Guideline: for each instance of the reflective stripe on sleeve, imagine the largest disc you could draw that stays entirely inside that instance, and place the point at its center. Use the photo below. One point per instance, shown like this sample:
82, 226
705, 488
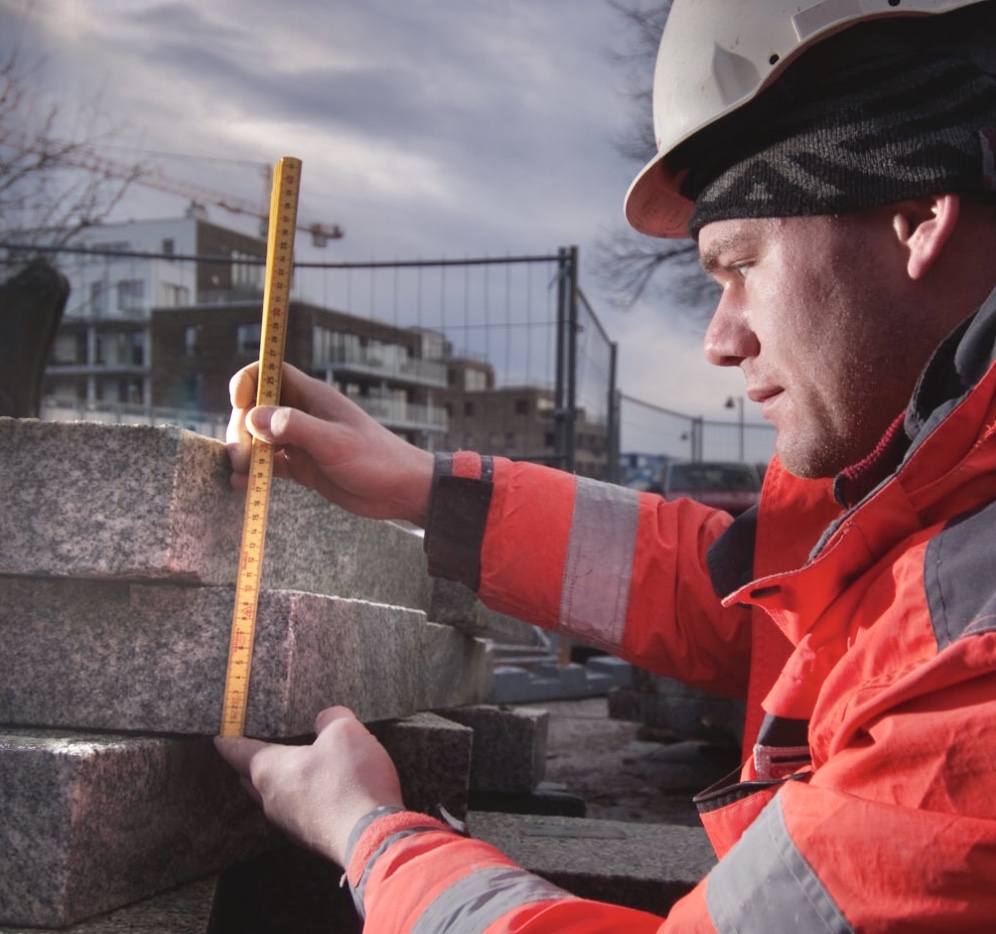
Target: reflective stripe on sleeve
360, 888
481, 898
765, 886
599, 563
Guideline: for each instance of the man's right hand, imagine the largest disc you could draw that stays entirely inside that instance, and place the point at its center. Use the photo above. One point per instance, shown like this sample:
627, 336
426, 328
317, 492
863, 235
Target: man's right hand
327, 442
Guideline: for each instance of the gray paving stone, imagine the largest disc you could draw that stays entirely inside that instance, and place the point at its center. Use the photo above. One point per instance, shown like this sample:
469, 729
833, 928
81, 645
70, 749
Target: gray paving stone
645, 866
140, 502
509, 746
668, 704
152, 657
93, 822
618, 672
432, 755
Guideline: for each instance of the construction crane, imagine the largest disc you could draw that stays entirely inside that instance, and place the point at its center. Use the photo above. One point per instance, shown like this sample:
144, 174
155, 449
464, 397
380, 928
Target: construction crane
80, 157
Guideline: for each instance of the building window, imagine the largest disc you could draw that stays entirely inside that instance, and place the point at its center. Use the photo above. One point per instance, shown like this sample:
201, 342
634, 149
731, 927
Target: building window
190, 392
521, 406
175, 295
69, 348
246, 271
191, 338
131, 295
247, 338
169, 246
137, 348
98, 298
468, 408
475, 380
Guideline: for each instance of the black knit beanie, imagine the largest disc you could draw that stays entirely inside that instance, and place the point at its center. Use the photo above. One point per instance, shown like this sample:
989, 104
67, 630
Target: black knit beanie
873, 135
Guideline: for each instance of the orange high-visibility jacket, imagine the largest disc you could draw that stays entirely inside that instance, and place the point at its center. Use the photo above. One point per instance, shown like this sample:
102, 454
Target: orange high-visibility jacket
863, 636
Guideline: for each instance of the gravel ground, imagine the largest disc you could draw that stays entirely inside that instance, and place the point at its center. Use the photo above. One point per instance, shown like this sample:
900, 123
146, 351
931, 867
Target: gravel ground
624, 771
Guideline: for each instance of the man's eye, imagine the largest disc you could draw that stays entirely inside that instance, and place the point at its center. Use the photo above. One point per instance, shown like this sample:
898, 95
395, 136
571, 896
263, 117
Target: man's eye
740, 269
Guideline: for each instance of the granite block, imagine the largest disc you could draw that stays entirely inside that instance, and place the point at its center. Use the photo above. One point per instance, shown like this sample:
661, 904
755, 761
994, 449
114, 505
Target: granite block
667, 704
124, 656
187, 909
92, 822
509, 746
139, 502
432, 756
644, 866
457, 667
456, 605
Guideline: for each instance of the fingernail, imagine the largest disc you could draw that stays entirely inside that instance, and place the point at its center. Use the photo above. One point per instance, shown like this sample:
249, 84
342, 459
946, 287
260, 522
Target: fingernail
261, 417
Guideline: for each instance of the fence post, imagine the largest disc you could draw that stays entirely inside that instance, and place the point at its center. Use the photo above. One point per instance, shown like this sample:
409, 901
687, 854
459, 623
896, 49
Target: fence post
612, 428
567, 337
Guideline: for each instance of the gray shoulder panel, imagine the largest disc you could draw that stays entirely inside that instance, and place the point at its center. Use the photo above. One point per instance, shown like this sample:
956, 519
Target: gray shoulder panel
958, 576
765, 886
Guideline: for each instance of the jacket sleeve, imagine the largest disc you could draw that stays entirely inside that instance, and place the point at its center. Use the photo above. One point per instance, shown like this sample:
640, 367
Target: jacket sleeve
621, 570
895, 833
410, 874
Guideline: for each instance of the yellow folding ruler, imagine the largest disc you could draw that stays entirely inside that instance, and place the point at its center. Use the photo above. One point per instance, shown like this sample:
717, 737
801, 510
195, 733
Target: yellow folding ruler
273, 336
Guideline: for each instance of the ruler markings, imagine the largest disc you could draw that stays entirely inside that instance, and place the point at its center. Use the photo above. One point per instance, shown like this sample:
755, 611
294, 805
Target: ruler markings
273, 335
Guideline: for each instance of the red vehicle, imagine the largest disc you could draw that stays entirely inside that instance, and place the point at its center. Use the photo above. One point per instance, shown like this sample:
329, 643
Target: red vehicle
728, 485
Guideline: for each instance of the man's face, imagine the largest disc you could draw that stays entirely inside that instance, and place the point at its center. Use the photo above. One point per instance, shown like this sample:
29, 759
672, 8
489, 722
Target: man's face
814, 311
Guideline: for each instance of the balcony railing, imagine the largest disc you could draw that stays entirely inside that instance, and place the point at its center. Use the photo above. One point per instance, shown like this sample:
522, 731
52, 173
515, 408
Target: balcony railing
393, 413
399, 413
373, 363
113, 413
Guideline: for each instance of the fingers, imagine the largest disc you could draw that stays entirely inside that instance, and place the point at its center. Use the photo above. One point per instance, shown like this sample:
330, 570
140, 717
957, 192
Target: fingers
317, 793
247, 420
239, 753
242, 387
242, 392
330, 715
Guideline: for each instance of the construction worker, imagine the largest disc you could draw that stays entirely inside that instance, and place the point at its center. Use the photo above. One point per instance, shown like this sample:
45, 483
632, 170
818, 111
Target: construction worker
836, 165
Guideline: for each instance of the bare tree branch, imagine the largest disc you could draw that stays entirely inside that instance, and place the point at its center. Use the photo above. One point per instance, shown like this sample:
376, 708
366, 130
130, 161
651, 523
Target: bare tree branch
51, 187
629, 265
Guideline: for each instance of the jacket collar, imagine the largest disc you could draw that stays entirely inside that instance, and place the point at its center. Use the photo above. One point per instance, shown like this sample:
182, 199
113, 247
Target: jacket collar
958, 364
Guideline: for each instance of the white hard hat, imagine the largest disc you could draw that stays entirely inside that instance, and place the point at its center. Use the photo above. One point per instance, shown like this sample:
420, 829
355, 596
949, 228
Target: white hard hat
717, 55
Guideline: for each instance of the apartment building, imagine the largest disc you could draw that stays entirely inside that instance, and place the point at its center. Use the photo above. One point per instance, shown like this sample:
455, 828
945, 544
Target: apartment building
515, 421
395, 374
103, 350
162, 313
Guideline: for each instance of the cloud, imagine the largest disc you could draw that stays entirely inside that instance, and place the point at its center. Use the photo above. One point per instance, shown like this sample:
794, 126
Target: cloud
441, 128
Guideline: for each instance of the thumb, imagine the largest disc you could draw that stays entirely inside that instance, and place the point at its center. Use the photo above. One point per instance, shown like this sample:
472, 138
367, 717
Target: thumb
269, 423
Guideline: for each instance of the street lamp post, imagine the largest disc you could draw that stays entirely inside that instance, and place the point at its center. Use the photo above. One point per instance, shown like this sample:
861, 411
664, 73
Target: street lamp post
738, 403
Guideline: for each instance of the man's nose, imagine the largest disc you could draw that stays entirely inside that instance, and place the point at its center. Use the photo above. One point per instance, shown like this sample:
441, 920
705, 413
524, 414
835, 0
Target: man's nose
729, 339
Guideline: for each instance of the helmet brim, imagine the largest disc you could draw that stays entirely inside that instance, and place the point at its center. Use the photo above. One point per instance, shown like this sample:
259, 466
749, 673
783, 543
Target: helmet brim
654, 205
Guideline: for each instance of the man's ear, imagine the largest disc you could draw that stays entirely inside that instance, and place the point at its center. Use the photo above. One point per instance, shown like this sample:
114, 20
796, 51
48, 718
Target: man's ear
924, 226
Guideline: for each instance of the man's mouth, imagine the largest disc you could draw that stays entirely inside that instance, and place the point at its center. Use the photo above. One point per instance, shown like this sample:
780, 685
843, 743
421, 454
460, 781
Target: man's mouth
766, 396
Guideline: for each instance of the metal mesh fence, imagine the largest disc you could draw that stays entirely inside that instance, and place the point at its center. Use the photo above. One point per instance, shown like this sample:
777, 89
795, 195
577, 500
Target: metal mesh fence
525, 319
679, 436
499, 310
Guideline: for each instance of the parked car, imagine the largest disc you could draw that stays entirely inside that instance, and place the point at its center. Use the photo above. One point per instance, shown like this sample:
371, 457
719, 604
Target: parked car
728, 485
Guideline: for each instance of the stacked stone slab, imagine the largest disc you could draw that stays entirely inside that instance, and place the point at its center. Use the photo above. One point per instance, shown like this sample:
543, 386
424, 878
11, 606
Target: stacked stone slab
668, 705
118, 552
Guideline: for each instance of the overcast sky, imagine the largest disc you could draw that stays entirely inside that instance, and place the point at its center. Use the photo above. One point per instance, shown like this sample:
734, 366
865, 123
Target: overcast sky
427, 128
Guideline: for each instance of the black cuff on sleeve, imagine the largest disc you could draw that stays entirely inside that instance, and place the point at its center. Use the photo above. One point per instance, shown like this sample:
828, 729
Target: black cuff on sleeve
458, 513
